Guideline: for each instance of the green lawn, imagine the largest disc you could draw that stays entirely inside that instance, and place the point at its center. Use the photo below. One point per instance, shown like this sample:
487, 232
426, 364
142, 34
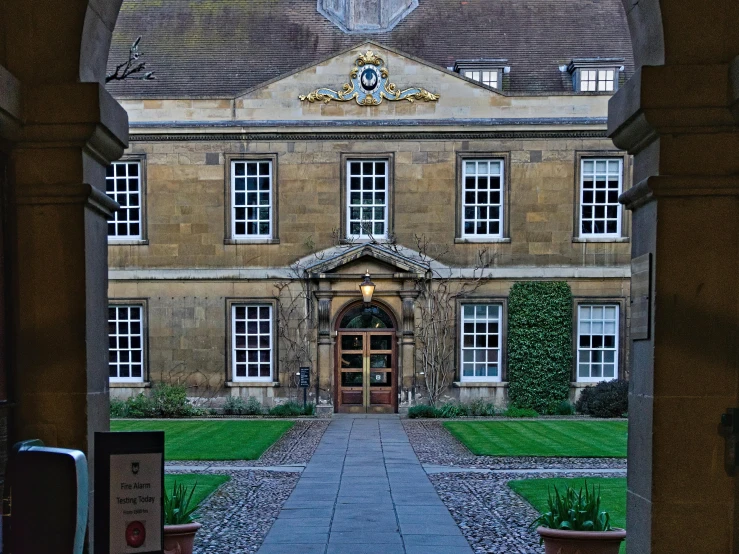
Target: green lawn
612, 493
560, 438
210, 439
206, 484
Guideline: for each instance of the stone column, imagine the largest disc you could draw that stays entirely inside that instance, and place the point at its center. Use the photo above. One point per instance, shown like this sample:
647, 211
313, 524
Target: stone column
407, 342
58, 264
685, 356
326, 342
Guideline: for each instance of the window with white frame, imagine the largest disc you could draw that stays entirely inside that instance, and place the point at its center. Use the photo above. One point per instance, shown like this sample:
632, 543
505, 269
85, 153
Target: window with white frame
486, 77
251, 199
123, 184
597, 80
367, 199
126, 343
597, 342
251, 342
482, 198
481, 342
600, 186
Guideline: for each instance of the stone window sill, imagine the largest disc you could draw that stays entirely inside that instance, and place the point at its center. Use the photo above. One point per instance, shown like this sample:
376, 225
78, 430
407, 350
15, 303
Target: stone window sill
598, 239
264, 384
125, 242
251, 241
479, 384
357, 241
119, 385
469, 240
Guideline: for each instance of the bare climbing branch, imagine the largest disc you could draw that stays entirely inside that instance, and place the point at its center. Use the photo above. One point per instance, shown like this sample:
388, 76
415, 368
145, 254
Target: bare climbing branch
436, 318
131, 68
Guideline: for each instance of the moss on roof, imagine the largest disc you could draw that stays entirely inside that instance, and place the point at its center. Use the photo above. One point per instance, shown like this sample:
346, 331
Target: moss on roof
219, 48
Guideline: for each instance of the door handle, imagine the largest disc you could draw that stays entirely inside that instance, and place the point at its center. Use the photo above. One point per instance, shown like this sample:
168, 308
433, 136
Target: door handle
365, 381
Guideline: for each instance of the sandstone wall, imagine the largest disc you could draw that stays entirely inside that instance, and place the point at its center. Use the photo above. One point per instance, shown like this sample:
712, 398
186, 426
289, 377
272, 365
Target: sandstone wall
187, 193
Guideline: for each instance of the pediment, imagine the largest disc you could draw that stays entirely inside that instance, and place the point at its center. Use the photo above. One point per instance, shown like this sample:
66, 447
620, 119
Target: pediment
360, 258
369, 81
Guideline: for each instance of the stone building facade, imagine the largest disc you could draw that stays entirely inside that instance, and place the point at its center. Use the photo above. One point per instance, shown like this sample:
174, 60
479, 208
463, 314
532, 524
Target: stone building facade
250, 218
683, 138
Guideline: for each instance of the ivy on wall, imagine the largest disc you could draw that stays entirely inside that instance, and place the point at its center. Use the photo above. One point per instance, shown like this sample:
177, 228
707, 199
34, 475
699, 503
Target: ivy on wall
539, 344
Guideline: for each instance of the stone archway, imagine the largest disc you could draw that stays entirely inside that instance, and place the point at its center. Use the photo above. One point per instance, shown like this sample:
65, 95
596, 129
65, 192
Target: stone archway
679, 119
678, 116
367, 369
59, 129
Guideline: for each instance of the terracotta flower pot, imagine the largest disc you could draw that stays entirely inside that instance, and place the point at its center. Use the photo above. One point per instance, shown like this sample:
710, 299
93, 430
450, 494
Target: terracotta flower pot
179, 539
557, 541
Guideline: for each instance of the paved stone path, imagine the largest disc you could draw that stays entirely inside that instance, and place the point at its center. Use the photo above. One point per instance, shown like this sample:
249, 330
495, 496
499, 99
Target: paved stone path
364, 492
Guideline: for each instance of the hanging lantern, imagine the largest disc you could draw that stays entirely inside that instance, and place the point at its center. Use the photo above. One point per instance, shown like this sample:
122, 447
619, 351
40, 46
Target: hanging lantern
367, 287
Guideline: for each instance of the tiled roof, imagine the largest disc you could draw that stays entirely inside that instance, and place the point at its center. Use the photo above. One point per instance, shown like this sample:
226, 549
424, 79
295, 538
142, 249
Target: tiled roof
220, 48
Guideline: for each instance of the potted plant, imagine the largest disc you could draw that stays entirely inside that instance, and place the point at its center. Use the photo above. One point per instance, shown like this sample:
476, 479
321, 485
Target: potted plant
179, 527
575, 524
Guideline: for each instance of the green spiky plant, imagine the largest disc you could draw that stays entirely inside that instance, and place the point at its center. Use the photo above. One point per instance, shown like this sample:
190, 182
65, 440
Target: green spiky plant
178, 507
575, 511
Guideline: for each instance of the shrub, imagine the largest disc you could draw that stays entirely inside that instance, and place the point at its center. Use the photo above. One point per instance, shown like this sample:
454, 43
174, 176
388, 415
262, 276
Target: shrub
514, 411
171, 401
292, 409
451, 409
165, 401
118, 408
479, 407
606, 399
565, 408
141, 406
539, 344
235, 405
422, 410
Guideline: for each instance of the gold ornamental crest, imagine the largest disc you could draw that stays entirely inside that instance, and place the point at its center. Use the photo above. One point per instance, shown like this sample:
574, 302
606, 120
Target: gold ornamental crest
369, 85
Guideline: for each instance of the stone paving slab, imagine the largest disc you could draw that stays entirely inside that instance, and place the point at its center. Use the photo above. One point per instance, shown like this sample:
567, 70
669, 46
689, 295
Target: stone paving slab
367, 486
303, 548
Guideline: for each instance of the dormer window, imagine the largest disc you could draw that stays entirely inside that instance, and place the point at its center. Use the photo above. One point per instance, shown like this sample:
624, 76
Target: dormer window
489, 78
595, 74
596, 80
488, 72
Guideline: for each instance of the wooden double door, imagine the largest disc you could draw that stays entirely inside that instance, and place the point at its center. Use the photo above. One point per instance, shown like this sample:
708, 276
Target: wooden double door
366, 372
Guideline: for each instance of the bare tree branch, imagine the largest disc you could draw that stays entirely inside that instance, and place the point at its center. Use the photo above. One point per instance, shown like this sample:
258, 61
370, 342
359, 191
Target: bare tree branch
436, 307
130, 67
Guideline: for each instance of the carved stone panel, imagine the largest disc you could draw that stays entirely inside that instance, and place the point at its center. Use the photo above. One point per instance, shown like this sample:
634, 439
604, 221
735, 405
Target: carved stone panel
409, 320
324, 317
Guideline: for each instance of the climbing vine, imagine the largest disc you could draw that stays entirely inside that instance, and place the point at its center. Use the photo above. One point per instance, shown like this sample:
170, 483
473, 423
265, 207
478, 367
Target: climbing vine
539, 344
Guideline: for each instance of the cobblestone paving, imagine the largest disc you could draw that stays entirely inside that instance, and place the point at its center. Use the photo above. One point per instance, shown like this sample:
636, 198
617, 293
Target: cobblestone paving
492, 517
238, 516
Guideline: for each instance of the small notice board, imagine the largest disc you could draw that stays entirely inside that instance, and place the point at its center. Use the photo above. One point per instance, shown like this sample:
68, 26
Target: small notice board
129, 486
305, 377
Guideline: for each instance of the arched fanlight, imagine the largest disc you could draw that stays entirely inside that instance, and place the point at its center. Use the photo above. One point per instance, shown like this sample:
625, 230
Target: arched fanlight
368, 288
